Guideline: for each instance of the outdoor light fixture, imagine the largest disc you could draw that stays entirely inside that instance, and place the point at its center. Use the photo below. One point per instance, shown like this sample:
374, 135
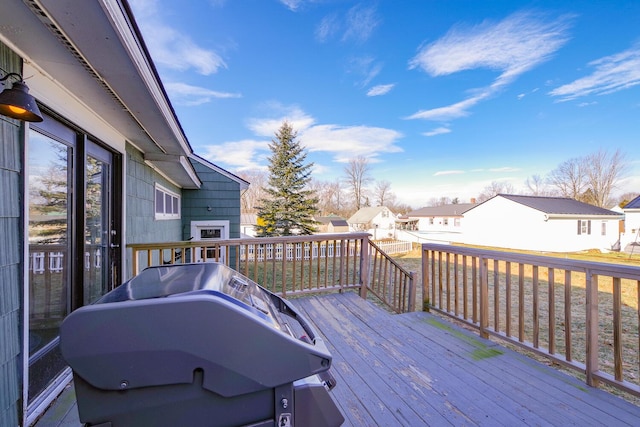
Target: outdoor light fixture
17, 103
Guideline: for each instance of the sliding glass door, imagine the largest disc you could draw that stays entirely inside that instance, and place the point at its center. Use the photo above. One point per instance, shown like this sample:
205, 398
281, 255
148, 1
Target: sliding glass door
73, 255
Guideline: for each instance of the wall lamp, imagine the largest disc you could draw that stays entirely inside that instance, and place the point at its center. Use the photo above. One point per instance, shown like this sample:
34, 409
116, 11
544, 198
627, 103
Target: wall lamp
17, 103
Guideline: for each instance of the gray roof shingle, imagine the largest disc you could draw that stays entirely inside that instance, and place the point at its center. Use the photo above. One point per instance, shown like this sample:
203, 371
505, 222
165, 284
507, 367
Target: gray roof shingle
442, 211
558, 205
634, 204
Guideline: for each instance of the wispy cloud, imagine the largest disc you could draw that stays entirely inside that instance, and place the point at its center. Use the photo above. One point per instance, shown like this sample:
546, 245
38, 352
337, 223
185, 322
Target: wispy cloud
170, 48
361, 21
291, 4
512, 47
450, 172
247, 154
340, 141
185, 94
380, 89
504, 169
365, 68
437, 131
329, 25
357, 25
611, 74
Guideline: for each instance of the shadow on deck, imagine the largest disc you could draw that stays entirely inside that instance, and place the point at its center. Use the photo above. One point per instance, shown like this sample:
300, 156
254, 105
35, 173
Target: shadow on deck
416, 369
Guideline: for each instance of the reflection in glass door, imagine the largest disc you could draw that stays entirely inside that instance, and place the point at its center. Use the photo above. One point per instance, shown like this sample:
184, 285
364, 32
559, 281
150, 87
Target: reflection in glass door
50, 252
97, 232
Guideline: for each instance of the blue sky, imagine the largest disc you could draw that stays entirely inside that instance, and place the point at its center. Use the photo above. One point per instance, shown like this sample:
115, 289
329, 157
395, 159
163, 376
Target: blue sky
443, 97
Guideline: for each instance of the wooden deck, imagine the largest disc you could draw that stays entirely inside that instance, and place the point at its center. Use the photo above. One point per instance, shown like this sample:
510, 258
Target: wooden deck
416, 369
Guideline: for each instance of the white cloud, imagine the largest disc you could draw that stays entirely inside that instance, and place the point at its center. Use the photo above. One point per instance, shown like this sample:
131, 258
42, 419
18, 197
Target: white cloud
612, 74
361, 21
504, 169
247, 154
512, 47
437, 131
291, 4
185, 94
380, 89
450, 172
347, 142
341, 142
447, 113
329, 25
357, 25
267, 127
170, 48
365, 67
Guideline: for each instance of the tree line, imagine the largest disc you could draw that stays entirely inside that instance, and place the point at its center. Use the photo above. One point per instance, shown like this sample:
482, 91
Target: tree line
286, 198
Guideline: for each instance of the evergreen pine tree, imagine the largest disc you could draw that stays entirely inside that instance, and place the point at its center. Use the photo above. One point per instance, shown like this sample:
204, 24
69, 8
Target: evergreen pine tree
289, 207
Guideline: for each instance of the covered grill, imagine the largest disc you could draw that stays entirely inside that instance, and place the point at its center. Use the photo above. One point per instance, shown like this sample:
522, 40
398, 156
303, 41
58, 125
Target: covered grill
197, 344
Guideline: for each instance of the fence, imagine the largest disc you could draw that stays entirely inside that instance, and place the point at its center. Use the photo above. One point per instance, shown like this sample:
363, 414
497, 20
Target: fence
295, 265
582, 315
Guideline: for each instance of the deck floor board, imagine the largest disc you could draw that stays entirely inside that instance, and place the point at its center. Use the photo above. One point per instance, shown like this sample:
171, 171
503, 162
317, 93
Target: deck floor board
426, 371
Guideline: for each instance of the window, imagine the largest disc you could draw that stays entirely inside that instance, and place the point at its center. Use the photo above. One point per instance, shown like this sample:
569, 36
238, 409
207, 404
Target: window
430, 221
167, 204
604, 228
445, 221
584, 226
456, 222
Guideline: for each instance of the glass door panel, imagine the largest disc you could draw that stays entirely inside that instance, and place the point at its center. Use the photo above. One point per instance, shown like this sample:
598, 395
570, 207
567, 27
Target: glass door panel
97, 232
49, 213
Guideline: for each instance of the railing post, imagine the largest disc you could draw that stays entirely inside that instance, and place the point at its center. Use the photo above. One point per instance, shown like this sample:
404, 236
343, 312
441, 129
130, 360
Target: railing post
412, 293
364, 267
592, 327
484, 297
425, 279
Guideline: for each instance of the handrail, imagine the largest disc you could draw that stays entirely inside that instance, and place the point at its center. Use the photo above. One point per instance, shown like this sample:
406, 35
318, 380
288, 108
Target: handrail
294, 265
540, 303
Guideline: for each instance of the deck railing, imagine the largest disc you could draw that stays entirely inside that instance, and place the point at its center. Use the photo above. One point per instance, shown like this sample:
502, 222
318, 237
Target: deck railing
295, 265
582, 315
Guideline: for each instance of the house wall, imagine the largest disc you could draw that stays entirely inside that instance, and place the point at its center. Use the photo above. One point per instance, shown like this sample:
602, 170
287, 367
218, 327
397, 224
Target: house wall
631, 227
217, 199
11, 257
140, 223
440, 224
503, 223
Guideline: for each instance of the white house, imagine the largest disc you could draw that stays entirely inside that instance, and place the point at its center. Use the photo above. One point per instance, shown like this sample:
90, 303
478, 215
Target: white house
379, 221
552, 224
445, 218
631, 233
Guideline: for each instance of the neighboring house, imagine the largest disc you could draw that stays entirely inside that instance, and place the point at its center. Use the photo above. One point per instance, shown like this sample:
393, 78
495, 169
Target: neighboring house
248, 223
379, 221
332, 224
552, 224
631, 232
109, 165
445, 218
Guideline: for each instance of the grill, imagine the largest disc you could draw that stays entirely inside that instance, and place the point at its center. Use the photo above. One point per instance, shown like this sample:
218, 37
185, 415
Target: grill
197, 344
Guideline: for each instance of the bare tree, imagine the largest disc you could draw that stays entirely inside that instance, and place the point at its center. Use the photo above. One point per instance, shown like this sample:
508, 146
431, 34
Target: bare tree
257, 180
439, 201
495, 188
603, 171
591, 178
329, 195
383, 194
538, 186
357, 177
569, 178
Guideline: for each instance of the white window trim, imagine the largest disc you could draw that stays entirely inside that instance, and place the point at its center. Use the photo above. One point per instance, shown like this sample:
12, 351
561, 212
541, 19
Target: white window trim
164, 215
